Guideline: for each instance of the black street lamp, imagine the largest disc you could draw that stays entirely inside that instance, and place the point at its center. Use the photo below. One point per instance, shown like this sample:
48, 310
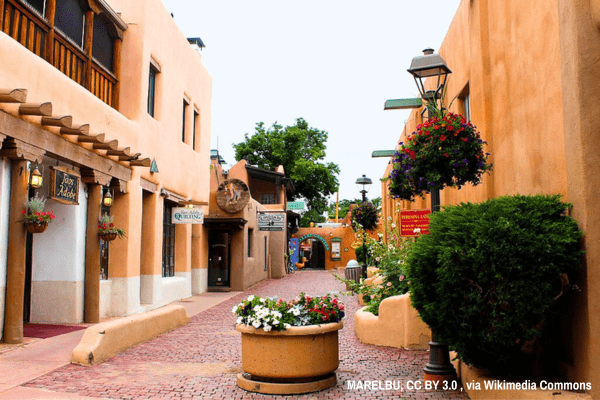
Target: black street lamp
431, 65
364, 184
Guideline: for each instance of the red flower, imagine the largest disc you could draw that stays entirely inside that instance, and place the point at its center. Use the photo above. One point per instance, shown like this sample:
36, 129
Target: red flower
442, 138
450, 128
446, 155
412, 155
464, 139
23, 211
40, 218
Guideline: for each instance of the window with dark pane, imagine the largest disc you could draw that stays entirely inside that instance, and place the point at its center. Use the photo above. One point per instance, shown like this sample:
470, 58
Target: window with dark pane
168, 251
103, 46
152, 90
196, 122
69, 19
37, 5
185, 105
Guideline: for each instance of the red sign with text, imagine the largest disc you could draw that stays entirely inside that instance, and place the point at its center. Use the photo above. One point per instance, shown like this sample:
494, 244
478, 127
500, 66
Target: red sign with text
414, 223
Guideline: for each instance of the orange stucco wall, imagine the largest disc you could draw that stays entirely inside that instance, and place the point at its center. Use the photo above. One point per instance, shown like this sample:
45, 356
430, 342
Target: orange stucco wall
344, 233
531, 71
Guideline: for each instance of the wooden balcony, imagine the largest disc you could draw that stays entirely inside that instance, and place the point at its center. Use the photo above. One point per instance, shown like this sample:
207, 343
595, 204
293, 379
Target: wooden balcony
38, 34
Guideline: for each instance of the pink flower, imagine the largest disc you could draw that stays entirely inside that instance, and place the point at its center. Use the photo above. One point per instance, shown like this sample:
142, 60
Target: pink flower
401, 278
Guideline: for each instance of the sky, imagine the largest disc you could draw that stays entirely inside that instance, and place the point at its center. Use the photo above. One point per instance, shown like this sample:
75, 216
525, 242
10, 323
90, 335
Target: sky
332, 62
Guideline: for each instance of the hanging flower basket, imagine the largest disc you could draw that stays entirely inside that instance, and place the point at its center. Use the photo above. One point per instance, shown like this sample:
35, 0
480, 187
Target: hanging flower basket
35, 227
365, 215
108, 237
445, 151
36, 220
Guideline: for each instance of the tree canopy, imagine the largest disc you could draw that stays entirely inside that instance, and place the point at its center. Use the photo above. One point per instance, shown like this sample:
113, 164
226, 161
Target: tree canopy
301, 151
345, 206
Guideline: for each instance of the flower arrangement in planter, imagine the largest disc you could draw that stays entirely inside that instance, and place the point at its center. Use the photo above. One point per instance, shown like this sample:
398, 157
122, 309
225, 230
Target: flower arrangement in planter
445, 151
107, 229
36, 220
365, 216
279, 315
289, 347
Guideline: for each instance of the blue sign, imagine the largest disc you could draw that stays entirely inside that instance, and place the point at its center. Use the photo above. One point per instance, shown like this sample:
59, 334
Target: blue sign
294, 250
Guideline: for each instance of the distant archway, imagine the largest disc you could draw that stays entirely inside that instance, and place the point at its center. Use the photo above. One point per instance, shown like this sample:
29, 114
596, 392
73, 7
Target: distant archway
312, 253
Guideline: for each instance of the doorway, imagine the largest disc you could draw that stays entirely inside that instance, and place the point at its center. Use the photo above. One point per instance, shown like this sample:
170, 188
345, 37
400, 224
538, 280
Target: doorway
219, 271
312, 253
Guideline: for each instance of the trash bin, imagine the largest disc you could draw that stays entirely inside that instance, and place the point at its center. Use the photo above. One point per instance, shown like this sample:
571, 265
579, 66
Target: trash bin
353, 272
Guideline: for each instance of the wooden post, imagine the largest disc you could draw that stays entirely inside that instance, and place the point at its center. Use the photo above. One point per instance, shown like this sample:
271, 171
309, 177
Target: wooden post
1, 14
92, 256
17, 235
117, 72
50, 14
87, 47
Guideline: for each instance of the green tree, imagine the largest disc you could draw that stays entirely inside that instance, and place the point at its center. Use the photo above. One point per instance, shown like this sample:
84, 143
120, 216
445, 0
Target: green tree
301, 151
345, 206
311, 214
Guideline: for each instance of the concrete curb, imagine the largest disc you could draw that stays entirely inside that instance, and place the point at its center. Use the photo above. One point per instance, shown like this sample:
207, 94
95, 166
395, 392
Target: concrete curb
106, 339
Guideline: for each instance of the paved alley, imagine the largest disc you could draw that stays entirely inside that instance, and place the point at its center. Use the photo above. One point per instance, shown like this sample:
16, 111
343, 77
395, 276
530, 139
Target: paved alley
201, 360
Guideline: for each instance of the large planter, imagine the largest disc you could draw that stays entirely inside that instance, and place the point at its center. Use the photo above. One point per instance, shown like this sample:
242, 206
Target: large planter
35, 227
298, 360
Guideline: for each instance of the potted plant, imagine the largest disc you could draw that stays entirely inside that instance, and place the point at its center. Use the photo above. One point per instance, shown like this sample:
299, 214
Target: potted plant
107, 229
289, 347
365, 215
36, 220
445, 151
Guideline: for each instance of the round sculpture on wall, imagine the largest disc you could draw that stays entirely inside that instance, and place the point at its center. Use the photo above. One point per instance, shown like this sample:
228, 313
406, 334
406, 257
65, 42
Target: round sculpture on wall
233, 195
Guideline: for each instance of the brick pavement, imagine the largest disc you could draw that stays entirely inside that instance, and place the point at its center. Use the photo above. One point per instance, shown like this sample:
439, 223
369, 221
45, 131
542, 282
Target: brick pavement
201, 360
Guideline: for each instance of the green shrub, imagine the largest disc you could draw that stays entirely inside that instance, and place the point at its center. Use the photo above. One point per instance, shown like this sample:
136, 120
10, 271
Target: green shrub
486, 277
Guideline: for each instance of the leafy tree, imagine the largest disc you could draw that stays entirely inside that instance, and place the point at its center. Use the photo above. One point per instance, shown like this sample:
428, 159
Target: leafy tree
345, 207
311, 214
301, 151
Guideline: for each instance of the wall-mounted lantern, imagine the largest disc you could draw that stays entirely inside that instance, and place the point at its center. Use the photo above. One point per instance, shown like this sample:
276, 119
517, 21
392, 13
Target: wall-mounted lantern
107, 199
36, 180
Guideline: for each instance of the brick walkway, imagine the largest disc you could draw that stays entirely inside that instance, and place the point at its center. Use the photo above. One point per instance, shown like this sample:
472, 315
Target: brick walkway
201, 360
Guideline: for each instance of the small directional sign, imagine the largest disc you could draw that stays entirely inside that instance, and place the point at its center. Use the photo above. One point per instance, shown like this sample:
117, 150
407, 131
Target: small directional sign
403, 104
383, 153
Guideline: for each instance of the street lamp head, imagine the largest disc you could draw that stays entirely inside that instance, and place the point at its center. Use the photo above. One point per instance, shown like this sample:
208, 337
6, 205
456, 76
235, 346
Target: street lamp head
429, 65
363, 184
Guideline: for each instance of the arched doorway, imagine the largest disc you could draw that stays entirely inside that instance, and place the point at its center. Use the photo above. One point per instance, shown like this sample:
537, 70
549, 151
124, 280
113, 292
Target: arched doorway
312, 252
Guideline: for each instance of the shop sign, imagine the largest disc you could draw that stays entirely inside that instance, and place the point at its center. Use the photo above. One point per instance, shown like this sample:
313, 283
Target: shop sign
336, 249
414, 223
64, 185
232, 195
296, 205
185, 215
312, 235
271, 222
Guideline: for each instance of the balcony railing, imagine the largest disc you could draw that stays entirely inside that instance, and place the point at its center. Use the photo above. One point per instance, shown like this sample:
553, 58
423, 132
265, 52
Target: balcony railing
38, 35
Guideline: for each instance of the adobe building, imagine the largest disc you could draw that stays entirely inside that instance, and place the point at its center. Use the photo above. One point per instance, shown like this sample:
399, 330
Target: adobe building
526, 74
246, 225
113, 96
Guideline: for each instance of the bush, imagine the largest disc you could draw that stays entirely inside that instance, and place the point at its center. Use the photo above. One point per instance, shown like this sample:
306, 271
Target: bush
486, 277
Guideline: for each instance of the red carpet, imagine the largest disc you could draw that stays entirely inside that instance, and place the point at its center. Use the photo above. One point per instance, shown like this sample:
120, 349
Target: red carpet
44, 331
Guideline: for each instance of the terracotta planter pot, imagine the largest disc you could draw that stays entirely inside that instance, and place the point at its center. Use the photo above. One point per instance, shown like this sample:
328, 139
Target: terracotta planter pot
34, 227
107, 237
298, 354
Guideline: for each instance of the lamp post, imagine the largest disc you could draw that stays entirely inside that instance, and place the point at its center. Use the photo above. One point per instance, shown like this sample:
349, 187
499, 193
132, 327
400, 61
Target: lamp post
364, 184
431, 65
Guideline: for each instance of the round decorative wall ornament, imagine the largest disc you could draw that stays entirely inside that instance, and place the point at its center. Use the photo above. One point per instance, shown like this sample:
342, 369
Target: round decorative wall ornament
233, 195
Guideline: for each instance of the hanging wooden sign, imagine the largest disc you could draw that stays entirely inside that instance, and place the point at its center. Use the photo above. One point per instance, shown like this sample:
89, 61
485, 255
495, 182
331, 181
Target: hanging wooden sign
233, 195
64, 185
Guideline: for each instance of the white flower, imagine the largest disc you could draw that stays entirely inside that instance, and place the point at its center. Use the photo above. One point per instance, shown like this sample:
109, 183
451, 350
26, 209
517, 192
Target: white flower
234, 309
275, 322
251, 297
262, 300
276, 314
287, 326
296, 312
393, 225
267, 328
256, 324
239, 320
380, 235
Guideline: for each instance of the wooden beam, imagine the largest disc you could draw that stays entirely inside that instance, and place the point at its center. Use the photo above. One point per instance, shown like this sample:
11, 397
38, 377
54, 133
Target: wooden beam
43, 109
50, 15
131, 157
76, 130
119, 152
119, 185
144, 162
117, 49
148, 185
60, 148
13, 95
99, 138
112, 145
92, 176
16, 149
64, 121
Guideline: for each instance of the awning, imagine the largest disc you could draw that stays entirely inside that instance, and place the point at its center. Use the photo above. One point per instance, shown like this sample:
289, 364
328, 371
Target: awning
215, 222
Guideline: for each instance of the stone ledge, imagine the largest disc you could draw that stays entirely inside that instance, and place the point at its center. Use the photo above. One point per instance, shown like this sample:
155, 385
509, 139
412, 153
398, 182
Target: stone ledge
398, 325
473, 376
106, 339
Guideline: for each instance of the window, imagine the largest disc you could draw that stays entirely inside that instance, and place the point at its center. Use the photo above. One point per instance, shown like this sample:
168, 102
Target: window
38, 5
250, 235
69, 19
103, 46
168, 253
465, 103
152, 90
196, 122
468, 107
268, 198
186, 103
